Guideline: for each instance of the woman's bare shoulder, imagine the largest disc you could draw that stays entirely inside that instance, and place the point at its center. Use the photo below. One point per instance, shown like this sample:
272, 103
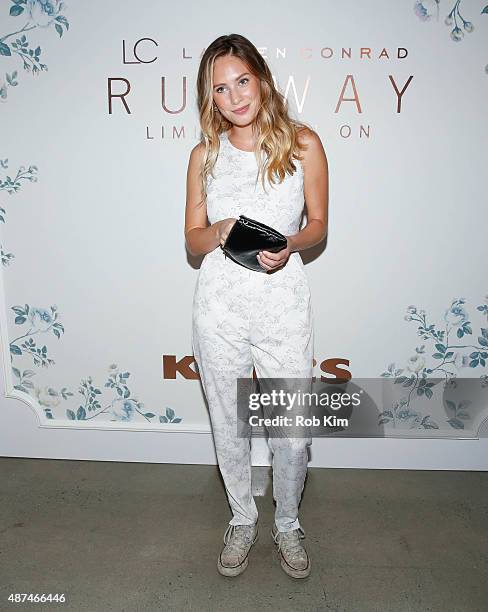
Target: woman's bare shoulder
197, 152
312, 144
307, 136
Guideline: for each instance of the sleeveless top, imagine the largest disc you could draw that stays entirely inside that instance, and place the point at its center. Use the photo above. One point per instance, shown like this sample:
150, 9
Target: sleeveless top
235, 191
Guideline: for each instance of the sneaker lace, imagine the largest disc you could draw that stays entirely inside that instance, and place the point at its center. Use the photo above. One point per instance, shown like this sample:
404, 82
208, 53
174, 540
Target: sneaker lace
238, 536
289, 542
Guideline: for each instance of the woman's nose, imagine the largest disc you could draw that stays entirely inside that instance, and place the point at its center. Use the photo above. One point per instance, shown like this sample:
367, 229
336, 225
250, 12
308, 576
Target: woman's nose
234, 97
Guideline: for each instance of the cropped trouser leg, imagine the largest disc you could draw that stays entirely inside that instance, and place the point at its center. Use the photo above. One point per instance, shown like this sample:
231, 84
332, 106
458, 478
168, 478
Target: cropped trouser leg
282, 347
289, 451
233, 452
262, 321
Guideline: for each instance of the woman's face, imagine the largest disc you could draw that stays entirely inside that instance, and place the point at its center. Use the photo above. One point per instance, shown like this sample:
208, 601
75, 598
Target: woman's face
234, 88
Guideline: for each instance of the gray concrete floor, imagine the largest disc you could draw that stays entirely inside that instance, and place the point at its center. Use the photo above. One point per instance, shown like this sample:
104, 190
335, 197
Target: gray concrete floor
138, 536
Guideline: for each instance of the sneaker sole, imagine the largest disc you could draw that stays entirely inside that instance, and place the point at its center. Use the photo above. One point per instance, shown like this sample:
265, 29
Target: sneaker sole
294, 573
238, 569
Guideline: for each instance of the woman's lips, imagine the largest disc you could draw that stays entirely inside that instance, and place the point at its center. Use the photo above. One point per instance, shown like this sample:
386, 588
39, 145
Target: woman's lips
243, 111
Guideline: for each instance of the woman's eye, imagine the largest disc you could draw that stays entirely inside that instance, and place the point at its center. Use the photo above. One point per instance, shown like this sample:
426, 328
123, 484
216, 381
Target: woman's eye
219, 89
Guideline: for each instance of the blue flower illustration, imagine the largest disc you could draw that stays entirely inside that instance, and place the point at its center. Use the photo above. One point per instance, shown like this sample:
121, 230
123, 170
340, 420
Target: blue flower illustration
123, 409
456, 315
425, 9
40, 319
47, 396
44, 12
415, 363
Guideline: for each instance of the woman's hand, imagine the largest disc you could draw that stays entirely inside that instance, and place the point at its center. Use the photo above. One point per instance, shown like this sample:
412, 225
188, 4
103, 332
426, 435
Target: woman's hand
224, 228
272, 261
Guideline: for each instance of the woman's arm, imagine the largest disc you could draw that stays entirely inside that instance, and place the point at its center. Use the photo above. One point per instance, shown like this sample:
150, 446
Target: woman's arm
316, 191
316, 188
200, 237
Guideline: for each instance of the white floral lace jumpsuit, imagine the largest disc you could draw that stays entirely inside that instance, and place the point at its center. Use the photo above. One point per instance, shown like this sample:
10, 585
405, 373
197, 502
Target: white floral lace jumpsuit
243, 318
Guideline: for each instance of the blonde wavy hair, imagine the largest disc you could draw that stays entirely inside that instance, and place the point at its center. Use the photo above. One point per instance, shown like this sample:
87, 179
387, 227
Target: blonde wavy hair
277, 131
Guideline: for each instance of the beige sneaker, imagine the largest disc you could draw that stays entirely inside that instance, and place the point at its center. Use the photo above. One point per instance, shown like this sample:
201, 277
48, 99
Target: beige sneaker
293, 556
238, 540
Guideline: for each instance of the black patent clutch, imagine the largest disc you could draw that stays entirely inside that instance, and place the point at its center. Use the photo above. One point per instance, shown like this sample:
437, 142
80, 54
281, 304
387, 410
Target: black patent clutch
247, 237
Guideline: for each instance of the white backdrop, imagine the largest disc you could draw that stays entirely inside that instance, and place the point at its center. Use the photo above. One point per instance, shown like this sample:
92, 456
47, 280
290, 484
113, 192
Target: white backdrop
96, 284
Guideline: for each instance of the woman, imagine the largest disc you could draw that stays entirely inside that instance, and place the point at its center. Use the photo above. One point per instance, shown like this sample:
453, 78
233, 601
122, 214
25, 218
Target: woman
243, 318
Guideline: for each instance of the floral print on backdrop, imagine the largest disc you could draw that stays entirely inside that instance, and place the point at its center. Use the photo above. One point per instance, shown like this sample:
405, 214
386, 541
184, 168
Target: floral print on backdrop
454, 350
37, 14
39, 321
426, 9
119, 407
